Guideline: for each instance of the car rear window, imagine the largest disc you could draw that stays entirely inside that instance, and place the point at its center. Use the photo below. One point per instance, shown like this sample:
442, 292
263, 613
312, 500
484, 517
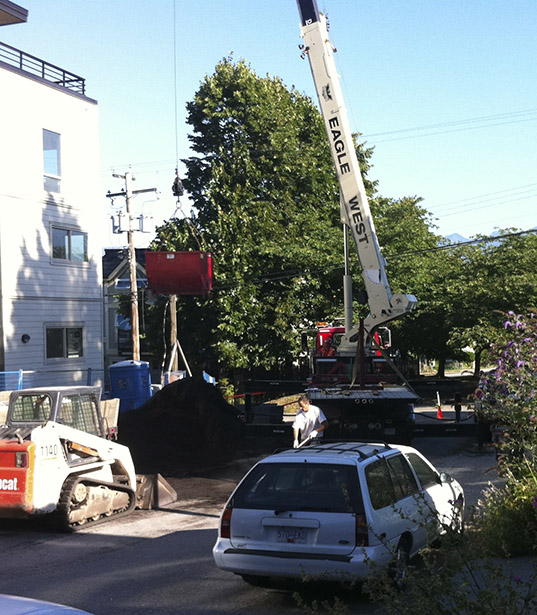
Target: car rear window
301, 486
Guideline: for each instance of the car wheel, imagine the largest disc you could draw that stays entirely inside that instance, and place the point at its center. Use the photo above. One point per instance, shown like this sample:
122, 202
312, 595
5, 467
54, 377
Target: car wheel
399, 566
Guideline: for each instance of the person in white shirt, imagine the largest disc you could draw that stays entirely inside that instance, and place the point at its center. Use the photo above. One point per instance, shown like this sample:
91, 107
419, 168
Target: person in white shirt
309, 423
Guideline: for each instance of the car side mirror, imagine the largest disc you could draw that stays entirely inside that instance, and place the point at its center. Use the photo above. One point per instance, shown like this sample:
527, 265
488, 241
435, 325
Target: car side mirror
446, 478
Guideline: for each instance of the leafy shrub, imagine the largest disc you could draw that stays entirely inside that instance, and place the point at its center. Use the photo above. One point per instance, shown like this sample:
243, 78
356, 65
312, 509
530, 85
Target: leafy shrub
507, 516
458, 579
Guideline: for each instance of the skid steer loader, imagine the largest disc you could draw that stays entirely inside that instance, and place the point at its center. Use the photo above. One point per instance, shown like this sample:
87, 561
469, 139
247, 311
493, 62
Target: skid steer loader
59, 457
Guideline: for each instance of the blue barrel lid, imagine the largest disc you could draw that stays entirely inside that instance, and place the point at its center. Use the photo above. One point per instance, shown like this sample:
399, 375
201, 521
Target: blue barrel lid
130, 363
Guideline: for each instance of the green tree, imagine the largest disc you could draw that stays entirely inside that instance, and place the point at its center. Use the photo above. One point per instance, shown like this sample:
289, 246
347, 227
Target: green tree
495, 276
461, 288
265, 203
427, 332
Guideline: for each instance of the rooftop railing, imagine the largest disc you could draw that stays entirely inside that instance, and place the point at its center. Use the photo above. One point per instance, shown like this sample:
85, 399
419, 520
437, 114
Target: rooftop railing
39, 68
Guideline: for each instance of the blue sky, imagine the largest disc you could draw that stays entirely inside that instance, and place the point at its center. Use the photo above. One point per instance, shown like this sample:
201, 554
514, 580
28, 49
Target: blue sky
446, 91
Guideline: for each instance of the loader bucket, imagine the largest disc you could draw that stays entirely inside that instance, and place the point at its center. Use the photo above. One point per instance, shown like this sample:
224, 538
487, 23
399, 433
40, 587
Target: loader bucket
153, 491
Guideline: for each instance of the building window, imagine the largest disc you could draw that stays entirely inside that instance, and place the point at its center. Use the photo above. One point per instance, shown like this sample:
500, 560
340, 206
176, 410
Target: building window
68, 244
64, 342
125, 283
51, 161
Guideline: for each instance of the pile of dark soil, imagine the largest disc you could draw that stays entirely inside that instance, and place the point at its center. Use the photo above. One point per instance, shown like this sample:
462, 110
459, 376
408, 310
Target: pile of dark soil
183, 427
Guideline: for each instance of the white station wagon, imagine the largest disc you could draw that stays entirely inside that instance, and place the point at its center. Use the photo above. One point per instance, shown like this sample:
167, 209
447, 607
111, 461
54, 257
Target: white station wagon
326, 509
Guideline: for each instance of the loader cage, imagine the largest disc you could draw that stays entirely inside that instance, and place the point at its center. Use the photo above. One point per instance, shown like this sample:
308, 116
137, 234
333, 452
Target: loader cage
80, 412
32, 409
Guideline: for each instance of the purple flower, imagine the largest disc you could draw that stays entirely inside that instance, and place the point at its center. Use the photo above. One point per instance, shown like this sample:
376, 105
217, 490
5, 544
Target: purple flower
534, 502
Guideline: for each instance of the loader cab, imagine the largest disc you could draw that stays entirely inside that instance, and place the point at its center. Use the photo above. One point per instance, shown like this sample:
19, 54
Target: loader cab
76, 407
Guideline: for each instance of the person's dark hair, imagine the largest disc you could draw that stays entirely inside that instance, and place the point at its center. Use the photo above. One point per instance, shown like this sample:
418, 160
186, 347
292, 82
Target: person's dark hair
304, 398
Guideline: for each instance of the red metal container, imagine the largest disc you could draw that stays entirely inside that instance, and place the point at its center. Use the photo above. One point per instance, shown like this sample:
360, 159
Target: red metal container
179, 273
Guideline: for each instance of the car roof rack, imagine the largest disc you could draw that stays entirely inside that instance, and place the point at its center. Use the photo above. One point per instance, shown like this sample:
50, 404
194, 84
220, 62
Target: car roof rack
340, 448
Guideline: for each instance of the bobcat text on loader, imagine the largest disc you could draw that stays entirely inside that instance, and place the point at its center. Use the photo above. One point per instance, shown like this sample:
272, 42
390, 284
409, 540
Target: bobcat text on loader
58, 458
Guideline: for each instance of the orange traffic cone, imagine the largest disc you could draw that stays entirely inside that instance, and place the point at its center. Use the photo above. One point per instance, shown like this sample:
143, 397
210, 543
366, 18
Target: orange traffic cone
439, 414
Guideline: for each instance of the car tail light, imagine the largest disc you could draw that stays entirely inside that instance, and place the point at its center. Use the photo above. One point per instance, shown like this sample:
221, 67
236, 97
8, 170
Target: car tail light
21, 459
362, 535
225, 523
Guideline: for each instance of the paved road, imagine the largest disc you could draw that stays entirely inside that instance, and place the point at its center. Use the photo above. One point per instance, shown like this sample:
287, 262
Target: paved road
159, 562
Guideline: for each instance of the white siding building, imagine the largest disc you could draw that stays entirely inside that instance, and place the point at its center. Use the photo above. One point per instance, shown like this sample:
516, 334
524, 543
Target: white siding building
50, 224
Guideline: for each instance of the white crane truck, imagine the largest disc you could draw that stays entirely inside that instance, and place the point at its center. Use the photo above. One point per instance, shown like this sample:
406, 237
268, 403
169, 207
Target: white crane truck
58, 457
358, 401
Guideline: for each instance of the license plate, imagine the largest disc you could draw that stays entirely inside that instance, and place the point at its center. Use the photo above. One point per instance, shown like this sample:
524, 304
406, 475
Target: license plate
296, 535
389, 431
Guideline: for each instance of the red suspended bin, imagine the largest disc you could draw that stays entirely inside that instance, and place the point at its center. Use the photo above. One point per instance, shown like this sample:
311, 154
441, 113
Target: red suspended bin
179, 273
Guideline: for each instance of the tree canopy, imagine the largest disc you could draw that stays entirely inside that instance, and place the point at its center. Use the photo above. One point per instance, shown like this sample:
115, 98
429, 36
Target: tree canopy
265, 202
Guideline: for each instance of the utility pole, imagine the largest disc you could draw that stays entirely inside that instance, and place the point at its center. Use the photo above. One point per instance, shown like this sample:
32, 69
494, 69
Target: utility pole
173, 330
128, 194
135, 326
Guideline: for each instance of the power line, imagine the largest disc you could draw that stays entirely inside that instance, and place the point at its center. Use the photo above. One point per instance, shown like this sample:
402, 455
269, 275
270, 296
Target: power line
487, 121
481, 196
285, 275
504, 202
460, 244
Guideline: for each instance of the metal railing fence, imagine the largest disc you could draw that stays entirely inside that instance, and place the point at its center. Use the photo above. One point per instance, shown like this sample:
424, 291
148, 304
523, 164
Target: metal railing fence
39, 68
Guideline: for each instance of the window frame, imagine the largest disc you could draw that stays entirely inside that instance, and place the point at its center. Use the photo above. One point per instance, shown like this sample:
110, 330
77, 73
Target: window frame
69, 232
48, 172
65, 329
403, 479
433, 474
379, 483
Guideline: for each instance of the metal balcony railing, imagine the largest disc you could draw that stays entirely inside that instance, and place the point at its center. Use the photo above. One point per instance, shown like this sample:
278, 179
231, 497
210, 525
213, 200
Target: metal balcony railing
39, 68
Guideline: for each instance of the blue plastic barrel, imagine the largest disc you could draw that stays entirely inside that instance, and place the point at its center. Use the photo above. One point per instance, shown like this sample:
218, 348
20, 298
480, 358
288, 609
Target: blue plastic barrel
130, 382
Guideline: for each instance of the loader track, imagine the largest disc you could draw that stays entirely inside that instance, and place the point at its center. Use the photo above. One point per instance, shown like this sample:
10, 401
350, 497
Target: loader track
85, 502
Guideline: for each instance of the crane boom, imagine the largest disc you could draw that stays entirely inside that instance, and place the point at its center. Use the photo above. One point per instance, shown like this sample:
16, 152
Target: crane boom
355, 211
